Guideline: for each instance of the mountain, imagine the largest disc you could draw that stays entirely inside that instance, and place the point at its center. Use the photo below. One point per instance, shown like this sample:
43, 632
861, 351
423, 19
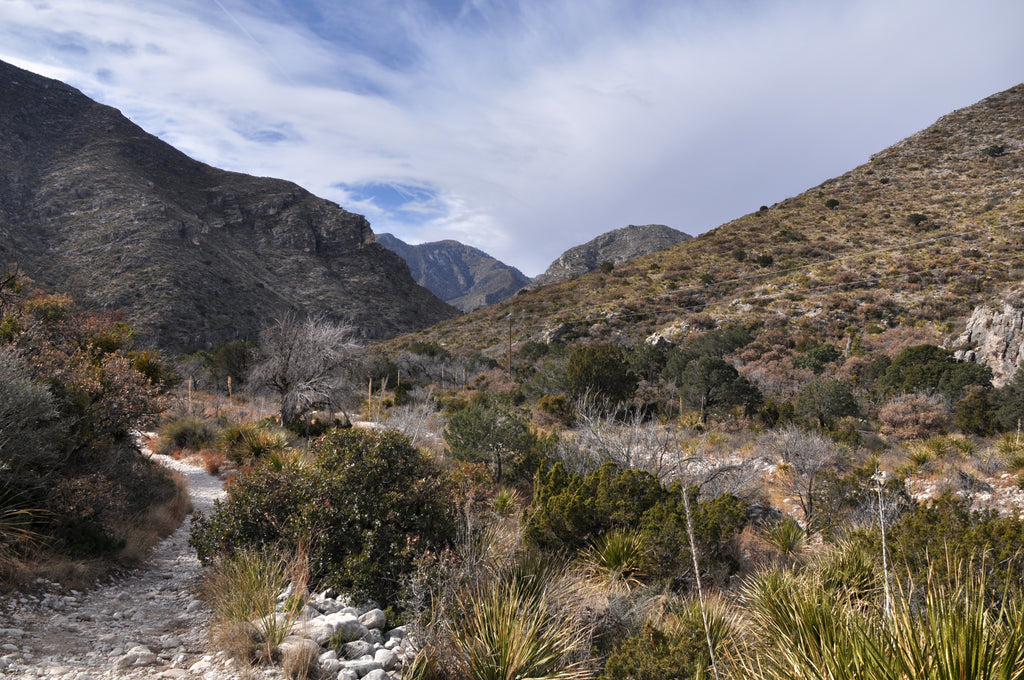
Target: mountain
93, 206
613, 246
460, 275
902, 248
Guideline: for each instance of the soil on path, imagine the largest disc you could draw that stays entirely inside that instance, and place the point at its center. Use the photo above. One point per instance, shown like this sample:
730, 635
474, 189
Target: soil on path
144, 623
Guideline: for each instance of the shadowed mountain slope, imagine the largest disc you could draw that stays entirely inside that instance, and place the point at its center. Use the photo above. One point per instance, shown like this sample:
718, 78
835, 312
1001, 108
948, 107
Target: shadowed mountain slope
92, 205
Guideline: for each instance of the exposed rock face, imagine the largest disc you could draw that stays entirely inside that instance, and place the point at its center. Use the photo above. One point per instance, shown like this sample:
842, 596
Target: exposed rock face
995, 337
460, 275
614, 246
92, 205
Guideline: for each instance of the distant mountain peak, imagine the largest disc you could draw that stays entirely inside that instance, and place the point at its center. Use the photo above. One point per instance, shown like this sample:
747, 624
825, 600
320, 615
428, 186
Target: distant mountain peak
613, 246
461, 275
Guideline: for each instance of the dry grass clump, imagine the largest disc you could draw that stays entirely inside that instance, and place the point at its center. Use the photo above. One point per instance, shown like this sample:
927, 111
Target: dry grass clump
243, 590
156, 522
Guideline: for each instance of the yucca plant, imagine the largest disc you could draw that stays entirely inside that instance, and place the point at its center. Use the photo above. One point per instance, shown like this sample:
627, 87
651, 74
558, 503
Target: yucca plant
507, 632
787, 537
616, 561
505, 502
244, 442
801, 630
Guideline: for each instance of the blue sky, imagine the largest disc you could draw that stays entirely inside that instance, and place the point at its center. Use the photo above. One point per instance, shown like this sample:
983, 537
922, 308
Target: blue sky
526, 127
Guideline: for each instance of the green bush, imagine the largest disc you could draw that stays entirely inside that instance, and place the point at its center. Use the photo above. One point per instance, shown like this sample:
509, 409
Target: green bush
932, 368
817, 357
572, 512
497, 436
600, 371
654, 654
367, 508
245, 442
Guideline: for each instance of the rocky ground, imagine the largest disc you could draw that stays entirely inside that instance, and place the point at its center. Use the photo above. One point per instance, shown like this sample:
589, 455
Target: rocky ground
144, 623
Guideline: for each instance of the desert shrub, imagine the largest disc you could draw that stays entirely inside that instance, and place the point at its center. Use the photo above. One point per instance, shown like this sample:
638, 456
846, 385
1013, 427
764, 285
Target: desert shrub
495, 435
571, 512
815, 358
915, 416
832, 203
616, 560
932, 368
508, 630
558, 407
368, 506
601, 370
31, 431
647, 360
1008, 403
187, 433
824, 400
232, 360
974, 412
655, 654
66, 419
243, 590
764, 260
938, 538
711, 384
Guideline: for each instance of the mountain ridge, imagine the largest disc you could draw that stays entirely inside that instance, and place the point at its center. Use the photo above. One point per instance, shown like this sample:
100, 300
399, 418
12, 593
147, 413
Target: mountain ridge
909, 242
94, 206
614, 246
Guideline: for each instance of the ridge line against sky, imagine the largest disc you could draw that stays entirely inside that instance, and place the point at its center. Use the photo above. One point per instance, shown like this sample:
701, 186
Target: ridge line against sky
525, 128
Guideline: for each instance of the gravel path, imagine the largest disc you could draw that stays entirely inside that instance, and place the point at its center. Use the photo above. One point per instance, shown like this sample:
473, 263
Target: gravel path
145, 623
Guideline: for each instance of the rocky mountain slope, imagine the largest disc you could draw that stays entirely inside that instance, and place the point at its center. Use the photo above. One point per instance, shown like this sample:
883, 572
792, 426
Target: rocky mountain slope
92, 205
913, 240
613, 246
461, 275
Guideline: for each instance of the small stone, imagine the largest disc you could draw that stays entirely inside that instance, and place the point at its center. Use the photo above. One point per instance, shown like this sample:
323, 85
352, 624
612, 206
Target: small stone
374, 618
193, 606
357, 649
387, 658
377, 674
362, 666
173, 674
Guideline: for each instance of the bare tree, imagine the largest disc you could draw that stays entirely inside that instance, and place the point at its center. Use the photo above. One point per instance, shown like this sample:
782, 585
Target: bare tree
308, 362
806, 455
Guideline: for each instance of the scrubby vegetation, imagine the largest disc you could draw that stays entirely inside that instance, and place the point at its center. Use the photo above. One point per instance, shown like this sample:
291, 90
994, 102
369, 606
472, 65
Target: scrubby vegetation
74, 488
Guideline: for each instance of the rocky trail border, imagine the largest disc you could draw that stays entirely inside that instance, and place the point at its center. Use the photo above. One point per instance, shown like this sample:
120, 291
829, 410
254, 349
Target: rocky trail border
143, 623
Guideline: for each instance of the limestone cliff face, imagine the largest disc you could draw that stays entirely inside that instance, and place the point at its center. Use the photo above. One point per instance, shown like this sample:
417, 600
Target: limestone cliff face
93, 206
994, 336
613, 246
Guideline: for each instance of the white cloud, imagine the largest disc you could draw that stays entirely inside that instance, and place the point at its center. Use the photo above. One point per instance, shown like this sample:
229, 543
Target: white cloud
537, 124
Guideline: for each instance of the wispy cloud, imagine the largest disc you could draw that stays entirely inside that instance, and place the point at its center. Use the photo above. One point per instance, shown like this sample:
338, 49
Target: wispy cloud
526, 127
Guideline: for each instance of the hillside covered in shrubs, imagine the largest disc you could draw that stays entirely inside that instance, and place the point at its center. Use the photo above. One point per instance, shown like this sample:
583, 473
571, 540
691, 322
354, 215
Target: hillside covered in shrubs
757, 454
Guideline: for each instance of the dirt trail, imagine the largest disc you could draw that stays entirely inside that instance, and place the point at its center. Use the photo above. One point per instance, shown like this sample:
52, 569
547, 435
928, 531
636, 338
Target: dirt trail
145, 623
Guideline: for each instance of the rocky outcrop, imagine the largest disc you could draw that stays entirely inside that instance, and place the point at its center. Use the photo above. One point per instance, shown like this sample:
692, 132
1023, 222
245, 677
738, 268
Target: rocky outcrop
93, 206
994, 336
613, 246
461, 275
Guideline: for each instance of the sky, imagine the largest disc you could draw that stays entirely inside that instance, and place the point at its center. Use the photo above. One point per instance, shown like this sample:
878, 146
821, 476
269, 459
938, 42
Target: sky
526, 127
